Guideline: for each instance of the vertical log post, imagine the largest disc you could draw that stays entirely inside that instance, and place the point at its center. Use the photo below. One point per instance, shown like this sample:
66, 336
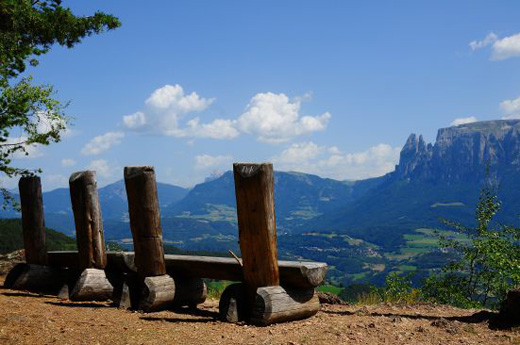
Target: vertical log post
265, 301
33, 222
33, 275
145, 222
254, 190
92, 283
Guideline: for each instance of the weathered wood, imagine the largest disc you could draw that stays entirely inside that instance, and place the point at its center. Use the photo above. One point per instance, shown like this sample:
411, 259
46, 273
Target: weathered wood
157, 294
35, 278
254, 190
145, 220
33, 222
92, 285
293, 274
88, 219
189, 291
232, 303
274, 304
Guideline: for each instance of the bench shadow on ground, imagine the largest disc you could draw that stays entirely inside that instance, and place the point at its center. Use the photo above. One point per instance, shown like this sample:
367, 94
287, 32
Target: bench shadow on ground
494, 320
79, 304
205, 316
24, 294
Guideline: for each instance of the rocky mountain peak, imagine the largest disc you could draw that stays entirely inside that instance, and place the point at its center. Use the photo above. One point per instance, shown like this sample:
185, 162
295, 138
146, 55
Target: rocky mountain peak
462, 152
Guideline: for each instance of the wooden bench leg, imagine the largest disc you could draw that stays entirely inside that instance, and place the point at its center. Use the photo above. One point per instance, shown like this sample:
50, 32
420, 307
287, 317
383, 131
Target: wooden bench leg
35, 278
92, 285
157, 293
189, 291
233, 305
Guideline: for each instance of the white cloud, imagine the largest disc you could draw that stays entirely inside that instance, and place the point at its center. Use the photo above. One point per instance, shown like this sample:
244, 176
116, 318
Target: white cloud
102, 143
67, 162
217, 129
511, 109
489, 39
463, 120
204, 162
501, 48
506, 48
299, 153
53, 181
165, 107
173, 97
331, 162
135, 121
102, 168
274, 118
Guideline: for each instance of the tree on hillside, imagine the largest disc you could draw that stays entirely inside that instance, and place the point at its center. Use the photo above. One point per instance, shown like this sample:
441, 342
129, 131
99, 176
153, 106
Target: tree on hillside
28, 29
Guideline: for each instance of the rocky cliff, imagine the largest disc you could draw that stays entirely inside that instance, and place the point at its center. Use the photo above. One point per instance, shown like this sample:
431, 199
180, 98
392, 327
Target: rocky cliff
462, 153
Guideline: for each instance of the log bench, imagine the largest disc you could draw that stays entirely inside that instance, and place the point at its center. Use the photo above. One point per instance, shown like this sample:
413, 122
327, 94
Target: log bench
295, 274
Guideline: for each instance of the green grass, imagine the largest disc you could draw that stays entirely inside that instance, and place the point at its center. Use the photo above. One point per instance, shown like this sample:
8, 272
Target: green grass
330, 289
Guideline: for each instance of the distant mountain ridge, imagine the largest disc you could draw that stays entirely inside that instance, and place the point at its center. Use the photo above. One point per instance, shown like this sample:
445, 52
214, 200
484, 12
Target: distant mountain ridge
363, 229
463, 152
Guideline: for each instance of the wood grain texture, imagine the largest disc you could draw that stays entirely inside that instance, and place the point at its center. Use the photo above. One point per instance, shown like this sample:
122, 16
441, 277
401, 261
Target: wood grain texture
157, 294
293, 274
35, 278
274, 304
92, 285
189, 291
33, 221
232, 304
254, 190
88, 219
145, 220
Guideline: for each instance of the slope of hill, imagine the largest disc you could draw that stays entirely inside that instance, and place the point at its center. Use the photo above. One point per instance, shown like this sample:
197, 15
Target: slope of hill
11, 237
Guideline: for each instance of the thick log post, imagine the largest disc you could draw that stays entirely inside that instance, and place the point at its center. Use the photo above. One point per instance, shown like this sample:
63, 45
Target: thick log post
158, 288
145, 221
88, 220
254, 189
189, 291
33, 222
275, 304
92, 283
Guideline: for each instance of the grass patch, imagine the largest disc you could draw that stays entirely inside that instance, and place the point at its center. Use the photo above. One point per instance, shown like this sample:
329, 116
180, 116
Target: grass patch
330, 289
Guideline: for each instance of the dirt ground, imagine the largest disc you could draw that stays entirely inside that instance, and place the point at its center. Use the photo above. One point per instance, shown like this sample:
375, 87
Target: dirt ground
27, 318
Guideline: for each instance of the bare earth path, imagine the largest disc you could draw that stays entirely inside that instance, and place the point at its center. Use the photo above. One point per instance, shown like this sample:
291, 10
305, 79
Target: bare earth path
27, 318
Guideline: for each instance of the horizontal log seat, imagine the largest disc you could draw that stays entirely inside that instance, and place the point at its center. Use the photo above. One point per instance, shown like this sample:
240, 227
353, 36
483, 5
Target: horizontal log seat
295, 274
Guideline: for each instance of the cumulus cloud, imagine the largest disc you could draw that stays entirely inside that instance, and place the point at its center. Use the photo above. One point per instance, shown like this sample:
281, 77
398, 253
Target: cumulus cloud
274, 118
463, 120
506, 48
134, 121
67, 162
166, 106
173, 97
489, 39
102, 143
501, 48
204, 162
217, 129
331, 162
511, 109
103, 169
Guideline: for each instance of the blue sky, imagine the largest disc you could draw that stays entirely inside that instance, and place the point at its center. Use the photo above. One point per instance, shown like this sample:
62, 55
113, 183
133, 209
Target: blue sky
332, 88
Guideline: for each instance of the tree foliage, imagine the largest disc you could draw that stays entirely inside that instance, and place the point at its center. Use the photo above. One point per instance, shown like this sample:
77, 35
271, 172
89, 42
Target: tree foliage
28, 29
487, 264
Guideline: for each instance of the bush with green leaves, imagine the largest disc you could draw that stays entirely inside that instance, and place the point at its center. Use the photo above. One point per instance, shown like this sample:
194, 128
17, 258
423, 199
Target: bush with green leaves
487, 262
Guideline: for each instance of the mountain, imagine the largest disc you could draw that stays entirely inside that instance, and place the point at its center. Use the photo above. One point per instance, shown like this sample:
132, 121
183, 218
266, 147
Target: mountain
363, 229
298, 197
